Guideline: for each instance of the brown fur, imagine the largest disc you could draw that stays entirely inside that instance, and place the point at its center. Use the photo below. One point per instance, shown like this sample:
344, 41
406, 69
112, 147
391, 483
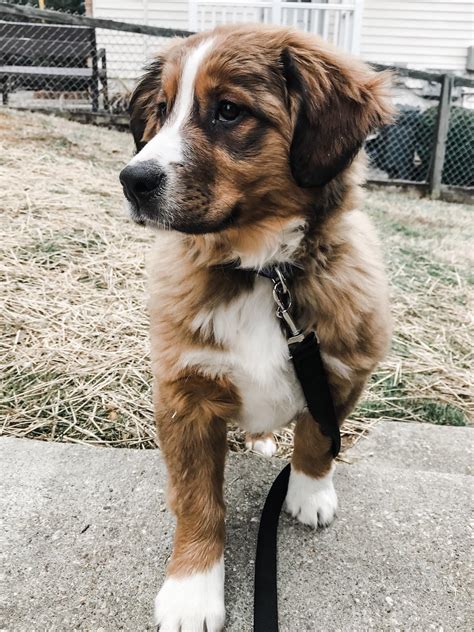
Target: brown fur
311, 109
191, 418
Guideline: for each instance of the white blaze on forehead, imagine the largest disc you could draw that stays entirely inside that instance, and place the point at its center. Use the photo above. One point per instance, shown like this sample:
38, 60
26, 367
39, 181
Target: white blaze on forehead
167, 146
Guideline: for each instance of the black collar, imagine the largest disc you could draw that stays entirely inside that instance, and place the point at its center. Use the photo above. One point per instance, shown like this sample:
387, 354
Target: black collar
268, 271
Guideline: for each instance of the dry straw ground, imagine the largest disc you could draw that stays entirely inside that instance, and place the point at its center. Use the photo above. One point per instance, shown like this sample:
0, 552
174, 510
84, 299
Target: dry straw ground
74, 345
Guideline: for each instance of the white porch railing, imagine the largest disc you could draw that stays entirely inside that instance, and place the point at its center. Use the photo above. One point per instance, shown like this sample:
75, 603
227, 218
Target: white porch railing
336, 21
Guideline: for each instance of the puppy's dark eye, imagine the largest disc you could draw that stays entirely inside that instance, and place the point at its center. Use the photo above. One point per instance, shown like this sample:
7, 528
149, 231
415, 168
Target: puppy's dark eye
162, 107
228, 111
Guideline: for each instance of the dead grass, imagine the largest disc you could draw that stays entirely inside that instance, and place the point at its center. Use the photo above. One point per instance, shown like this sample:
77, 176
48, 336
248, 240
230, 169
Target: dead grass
74, 342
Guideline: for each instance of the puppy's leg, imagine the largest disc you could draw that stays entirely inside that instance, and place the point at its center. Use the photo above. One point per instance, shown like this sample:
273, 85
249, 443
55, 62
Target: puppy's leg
311, 496
261, 442
192, 431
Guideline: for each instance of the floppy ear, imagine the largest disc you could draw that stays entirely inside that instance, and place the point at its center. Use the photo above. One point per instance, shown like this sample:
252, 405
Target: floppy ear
143, 101
337, 102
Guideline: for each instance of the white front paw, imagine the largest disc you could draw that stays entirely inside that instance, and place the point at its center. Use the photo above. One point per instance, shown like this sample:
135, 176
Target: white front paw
264, 445
194, 603
313, 501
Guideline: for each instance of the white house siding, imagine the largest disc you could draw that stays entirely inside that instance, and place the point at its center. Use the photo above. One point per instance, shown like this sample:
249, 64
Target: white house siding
426, 34
170, 13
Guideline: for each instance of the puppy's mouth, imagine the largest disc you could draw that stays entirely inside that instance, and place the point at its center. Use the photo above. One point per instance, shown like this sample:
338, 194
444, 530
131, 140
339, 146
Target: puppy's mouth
140, 214
158, 214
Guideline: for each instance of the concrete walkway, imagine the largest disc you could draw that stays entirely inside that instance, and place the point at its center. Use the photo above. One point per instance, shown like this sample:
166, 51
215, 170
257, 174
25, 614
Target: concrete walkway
88, 535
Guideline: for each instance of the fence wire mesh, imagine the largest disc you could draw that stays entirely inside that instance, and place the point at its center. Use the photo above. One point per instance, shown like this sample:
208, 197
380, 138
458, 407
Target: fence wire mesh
404, 150
87, 68
66, 66
458, 166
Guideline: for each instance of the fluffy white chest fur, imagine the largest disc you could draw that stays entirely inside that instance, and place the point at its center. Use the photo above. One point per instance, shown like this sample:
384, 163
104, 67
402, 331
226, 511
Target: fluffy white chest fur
255, 358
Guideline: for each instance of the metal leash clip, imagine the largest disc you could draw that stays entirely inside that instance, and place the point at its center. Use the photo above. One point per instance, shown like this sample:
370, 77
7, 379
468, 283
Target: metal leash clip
282, 297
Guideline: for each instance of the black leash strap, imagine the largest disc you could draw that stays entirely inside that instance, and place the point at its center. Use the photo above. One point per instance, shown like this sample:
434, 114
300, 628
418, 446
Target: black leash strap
305, 354
311, 373
265, 605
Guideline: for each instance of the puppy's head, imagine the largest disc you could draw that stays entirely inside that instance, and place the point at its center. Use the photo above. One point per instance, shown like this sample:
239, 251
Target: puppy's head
245, 123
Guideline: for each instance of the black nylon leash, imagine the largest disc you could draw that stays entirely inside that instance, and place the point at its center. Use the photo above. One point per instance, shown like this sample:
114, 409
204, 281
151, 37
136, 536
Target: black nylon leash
305, 354
265, 603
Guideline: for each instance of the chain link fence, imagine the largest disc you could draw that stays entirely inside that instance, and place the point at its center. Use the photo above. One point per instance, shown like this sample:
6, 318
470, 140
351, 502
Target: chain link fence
78, 64
432, 139
72, 62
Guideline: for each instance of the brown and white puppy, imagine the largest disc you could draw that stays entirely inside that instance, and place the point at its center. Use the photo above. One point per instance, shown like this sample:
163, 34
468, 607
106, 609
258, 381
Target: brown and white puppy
248, 141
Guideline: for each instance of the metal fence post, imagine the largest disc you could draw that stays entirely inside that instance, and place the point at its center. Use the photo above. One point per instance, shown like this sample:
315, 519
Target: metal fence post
441, 134
95, 79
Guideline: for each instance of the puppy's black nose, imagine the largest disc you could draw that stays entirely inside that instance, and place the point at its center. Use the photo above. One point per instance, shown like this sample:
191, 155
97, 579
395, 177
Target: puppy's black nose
142, 179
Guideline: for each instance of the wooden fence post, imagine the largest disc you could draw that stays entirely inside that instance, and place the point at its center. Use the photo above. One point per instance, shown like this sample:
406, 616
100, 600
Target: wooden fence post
441, 134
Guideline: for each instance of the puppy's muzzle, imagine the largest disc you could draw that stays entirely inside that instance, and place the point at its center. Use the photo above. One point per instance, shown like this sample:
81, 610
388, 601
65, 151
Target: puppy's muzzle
143, 182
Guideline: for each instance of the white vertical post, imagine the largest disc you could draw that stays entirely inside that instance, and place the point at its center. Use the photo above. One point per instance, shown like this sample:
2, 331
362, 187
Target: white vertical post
357, 26
295, 17
347, 31
325, 25
337, 29
144, 39
276, 11
193, 15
